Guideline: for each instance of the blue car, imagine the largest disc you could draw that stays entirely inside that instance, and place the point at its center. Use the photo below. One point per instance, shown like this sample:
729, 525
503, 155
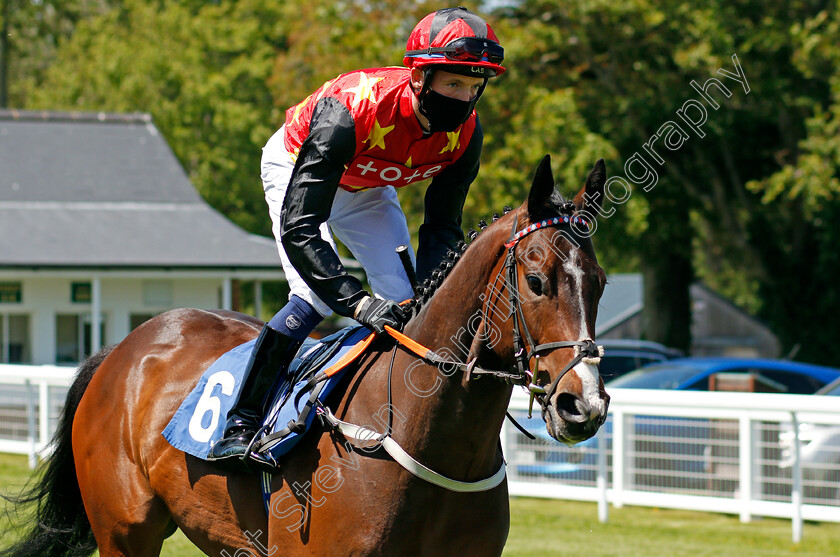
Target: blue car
621, 356
670, 452
703, 374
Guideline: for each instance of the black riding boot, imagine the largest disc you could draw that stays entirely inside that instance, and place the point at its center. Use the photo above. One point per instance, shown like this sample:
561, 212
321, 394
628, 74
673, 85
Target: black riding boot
270, 357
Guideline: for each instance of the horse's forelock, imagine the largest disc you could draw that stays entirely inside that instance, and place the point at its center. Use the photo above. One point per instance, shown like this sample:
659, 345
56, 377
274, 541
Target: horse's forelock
554, 206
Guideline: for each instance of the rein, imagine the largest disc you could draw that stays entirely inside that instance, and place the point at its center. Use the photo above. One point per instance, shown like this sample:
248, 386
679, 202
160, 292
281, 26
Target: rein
585, 351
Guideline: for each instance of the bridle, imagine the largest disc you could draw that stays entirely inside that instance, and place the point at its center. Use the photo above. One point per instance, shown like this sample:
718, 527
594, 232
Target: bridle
585, 350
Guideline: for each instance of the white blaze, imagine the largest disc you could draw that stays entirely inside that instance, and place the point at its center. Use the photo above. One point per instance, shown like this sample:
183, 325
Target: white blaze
587, 373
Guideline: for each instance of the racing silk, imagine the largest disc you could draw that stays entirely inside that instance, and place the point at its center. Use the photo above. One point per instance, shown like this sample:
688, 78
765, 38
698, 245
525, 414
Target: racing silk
390, 147
356, 132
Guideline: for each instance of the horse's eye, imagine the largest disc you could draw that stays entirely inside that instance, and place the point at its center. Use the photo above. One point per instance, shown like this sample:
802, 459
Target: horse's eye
535, 284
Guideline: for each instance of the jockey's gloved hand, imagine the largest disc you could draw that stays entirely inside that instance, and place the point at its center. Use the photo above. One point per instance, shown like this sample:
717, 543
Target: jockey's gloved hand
375, 313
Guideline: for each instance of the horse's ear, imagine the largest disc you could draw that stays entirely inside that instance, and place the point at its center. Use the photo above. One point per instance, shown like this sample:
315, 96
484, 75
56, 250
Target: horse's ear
542, 188
590, 197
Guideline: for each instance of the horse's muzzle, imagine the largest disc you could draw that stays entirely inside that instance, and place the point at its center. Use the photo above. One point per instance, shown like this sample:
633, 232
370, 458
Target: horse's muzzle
570, 418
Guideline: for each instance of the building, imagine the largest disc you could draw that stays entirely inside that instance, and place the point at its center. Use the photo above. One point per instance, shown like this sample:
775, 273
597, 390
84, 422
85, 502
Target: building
100, 228
718, 328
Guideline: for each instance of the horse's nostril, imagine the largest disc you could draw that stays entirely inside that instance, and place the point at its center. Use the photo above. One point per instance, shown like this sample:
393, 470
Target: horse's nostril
572, 408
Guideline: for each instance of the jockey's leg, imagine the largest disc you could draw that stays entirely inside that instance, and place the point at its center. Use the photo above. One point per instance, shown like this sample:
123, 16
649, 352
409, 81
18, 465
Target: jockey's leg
372, 225
269, 359
276, 172
282, 335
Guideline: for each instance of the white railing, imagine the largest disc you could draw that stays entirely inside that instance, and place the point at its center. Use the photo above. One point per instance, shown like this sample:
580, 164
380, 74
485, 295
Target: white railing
31, 399
724, 452
720, 452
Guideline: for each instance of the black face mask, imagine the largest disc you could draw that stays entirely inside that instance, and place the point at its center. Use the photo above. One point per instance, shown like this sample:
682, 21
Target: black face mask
444, 113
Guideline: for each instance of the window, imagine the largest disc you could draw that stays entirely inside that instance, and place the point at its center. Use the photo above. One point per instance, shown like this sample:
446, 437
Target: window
138, 319
73, 337
617, 363
14, 339
11, 292
81, 293
798, 383
157, 293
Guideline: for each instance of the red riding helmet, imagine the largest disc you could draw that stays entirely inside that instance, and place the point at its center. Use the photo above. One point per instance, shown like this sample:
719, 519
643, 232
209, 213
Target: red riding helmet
458, 39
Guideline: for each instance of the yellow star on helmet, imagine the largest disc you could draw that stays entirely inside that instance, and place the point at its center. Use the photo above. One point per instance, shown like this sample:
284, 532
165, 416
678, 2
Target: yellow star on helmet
376, 137
454, 141
364, 90
408, 163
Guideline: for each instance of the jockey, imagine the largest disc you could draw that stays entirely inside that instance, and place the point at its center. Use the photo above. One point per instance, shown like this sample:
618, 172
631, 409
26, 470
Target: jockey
334, 167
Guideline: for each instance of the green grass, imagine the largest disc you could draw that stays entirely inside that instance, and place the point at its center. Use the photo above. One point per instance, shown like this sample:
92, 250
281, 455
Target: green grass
542, 527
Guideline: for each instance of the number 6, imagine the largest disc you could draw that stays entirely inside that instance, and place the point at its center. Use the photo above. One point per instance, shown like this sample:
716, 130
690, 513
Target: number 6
212, 404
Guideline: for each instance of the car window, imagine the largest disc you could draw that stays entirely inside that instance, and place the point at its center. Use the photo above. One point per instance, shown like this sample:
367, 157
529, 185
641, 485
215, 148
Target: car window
833, 392
701, 384
832, 389
663, 376
614, 366
797, 383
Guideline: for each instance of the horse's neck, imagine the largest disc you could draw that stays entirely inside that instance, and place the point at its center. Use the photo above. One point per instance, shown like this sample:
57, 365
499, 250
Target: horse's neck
461, 416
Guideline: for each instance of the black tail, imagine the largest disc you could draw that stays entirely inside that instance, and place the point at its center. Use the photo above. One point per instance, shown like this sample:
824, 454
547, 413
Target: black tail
60, 526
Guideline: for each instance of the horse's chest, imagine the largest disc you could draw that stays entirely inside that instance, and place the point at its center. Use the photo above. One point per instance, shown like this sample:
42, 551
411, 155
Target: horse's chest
377, 509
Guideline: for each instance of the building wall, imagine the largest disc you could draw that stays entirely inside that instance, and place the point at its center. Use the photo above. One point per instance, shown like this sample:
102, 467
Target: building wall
46, 297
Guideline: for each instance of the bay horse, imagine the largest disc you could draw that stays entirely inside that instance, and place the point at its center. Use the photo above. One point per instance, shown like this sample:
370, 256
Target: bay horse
523, 293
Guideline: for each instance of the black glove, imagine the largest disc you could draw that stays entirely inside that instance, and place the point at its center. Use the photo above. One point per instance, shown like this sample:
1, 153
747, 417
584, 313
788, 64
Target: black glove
375, 313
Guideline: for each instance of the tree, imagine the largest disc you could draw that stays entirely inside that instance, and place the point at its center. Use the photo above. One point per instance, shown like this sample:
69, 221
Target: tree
743, 199
631, 67
32, 33
800, 204
201, 71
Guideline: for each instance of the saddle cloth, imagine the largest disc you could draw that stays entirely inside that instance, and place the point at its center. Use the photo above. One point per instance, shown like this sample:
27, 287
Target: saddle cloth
200, 420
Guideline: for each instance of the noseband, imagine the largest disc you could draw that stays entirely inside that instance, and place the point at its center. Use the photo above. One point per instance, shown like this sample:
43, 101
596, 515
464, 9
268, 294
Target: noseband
585, 350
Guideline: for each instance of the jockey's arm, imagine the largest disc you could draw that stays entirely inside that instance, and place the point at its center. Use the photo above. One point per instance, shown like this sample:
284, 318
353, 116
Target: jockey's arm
441, 228
330, 145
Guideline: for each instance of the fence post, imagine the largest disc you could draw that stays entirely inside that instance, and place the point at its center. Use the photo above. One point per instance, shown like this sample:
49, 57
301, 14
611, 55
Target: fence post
603, 506
796, 492
44, 417
30, 422
745, 462
619, 453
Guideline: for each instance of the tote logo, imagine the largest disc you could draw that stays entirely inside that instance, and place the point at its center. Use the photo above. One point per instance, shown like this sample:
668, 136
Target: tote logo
369, 172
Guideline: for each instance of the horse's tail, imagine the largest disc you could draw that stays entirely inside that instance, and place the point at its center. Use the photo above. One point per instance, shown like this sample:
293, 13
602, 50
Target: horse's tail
60, 526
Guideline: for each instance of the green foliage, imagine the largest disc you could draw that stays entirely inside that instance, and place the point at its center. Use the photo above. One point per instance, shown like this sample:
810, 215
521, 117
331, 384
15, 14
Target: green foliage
749, 208
725, 202
36, 31
201, 71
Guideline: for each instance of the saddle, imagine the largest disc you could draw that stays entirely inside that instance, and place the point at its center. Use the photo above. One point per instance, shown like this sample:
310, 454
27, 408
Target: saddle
313, 374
